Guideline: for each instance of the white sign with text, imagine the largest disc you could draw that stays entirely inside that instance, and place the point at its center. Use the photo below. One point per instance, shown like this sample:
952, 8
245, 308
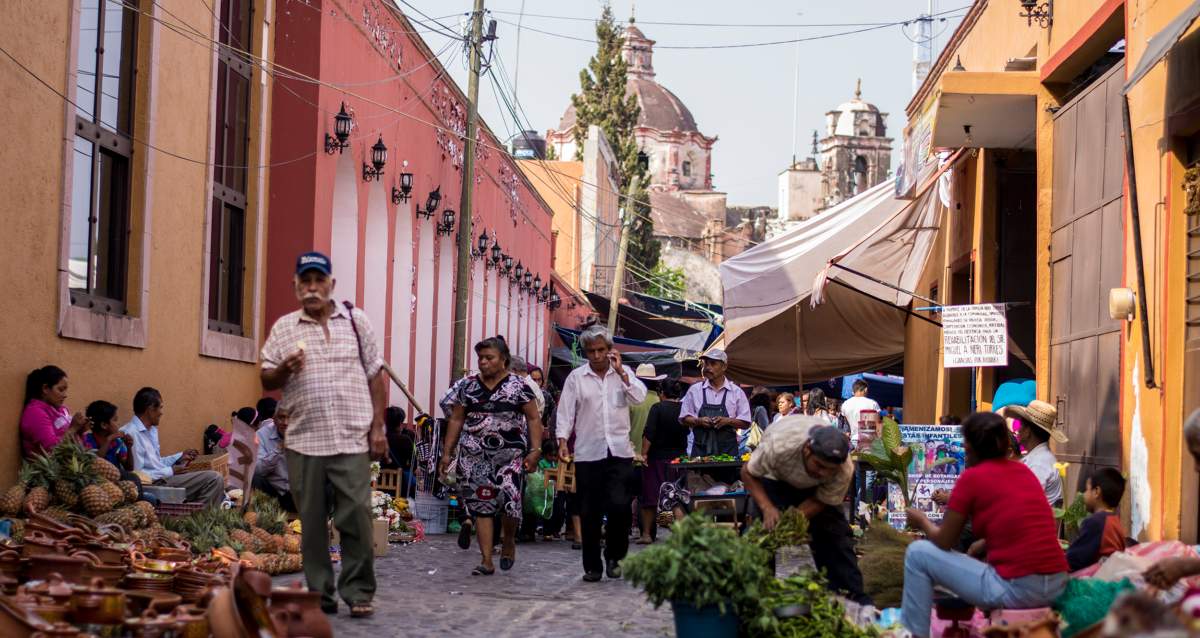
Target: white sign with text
974, 336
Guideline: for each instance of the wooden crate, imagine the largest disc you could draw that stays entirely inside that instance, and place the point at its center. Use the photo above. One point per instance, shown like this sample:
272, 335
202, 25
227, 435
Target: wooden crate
388, 481
563, 477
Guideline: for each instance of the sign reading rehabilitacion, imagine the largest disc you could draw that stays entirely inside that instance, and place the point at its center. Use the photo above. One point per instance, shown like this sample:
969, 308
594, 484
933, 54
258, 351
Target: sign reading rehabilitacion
974, 336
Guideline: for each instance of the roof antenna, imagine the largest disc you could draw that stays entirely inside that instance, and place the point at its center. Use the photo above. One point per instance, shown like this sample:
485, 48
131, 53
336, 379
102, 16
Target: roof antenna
858, 90
632, 12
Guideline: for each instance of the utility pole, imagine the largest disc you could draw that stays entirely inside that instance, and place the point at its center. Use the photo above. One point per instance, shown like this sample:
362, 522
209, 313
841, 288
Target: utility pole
618, 284
465, 232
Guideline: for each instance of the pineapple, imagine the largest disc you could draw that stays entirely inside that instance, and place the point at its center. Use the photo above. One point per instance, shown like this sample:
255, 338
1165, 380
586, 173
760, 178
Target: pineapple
37, 500
15, 496
251, 518
57, 513
291, 544
17, 529
40, 475
95, 500
66, 494
293, 563
129, 518
130, 489
241, 537
104, 469
115, 493
265, 539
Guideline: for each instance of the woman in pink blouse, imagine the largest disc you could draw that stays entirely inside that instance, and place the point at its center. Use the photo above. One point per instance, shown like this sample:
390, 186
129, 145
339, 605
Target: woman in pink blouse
46, 420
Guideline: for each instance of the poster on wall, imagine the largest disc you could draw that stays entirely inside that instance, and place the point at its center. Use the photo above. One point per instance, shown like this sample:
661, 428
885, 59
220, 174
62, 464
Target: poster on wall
929, 444
974, 336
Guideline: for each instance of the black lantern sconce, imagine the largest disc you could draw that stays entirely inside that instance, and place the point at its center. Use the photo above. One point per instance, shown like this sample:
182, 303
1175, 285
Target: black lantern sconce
497, 255
481, 246
537, 286
431, 203
527, 283
544, 293
555, 300
1042, 13
506, 262
378, 160
401, 195
340, 139
446, 226
518, 272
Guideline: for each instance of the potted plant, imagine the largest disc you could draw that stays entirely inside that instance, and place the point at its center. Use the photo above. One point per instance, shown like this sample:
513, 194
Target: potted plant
707, 574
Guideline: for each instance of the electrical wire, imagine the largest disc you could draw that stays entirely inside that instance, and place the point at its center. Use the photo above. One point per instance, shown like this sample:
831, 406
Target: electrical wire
445, 29
708, 24
746, 45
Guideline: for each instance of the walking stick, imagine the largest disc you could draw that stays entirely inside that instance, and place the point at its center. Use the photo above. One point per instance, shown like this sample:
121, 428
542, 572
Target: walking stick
396, 379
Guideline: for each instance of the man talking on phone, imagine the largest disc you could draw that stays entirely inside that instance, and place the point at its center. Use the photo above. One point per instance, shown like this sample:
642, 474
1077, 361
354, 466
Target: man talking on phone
594, 406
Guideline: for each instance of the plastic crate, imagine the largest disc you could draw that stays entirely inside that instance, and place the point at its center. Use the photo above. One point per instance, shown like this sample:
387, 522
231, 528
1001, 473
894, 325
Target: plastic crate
166, 510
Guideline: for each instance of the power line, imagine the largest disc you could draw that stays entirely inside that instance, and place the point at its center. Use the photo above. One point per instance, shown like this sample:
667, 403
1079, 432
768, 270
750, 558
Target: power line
708, 24
445, 30
747, 45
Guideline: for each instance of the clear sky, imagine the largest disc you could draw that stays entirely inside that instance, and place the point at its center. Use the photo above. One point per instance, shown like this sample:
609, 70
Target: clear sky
741, 95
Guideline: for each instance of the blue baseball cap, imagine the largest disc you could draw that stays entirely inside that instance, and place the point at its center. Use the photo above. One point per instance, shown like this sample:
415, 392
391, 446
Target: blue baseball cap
314, 261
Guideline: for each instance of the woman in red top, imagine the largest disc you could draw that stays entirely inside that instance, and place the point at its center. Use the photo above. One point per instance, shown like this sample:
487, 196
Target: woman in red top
1007, 508
45, 419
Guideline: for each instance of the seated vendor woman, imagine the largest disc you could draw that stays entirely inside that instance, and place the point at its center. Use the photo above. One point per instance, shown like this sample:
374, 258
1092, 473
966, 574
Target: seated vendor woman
803, 463
1007, 507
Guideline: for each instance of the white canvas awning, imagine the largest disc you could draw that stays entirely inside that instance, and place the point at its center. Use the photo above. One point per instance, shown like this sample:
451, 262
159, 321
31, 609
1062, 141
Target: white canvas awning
776, 335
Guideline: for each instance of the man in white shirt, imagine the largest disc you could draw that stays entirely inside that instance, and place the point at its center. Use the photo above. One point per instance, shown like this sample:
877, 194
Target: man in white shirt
1038, 426
594, 406
859, 410
203, 486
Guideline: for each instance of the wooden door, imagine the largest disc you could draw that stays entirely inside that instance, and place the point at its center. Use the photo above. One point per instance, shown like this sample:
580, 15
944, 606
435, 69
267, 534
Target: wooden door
1087, 259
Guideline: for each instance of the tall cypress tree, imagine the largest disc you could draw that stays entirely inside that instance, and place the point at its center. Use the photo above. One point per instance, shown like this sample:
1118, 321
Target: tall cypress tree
603, 101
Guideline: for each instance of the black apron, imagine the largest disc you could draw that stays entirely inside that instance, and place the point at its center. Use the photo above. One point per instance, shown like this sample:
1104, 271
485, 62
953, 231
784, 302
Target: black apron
709, 442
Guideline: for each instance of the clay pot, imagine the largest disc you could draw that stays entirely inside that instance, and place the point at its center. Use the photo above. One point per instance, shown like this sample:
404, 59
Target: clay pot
172, 554
192, 622
39, 544
97, 604
139, 601
151, 625
302, 611
143, 564
108, 553
70, 567
10, 563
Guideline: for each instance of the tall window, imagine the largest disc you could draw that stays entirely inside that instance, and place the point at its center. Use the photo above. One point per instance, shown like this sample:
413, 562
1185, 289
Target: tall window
98, 262
227, 251
687, 168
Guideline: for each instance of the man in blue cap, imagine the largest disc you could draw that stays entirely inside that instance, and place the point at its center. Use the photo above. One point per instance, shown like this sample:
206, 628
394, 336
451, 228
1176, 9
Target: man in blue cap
325, 359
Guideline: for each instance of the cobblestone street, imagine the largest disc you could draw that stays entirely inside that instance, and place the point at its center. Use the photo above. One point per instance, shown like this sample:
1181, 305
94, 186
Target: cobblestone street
426, 589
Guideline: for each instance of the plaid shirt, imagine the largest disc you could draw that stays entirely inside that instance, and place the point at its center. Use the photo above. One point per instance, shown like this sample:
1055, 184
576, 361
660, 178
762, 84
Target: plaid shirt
329, 400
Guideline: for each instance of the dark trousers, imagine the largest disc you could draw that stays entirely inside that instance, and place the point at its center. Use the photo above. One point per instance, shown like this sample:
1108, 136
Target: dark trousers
832, 542
285, 499
350, 477
605, 490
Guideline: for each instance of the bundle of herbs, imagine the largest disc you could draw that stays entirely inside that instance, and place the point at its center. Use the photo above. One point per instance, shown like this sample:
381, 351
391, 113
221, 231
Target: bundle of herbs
791, 530
801, 606
882, 563
702, 564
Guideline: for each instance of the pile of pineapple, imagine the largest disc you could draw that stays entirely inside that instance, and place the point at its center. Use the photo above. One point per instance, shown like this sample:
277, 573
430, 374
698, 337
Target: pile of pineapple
260, 536
72, 479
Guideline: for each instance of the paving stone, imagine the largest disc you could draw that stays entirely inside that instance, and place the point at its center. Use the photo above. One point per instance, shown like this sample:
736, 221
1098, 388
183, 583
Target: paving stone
426, 589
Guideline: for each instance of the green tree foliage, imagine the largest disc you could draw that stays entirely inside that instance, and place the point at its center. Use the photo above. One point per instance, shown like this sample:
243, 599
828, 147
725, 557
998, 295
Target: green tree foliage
602, 100
667, 283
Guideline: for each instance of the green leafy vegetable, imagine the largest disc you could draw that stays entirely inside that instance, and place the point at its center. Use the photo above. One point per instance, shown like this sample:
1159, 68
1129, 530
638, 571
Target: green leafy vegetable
702, 564
791, 530
809, 610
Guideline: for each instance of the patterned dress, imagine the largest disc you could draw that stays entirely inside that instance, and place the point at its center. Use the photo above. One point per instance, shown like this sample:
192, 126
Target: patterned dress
494, 442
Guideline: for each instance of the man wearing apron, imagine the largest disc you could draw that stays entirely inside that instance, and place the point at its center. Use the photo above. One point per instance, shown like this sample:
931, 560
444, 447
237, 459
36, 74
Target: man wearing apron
715, 409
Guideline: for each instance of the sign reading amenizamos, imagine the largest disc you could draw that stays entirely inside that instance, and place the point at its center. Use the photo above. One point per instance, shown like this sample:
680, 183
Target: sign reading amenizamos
974, 336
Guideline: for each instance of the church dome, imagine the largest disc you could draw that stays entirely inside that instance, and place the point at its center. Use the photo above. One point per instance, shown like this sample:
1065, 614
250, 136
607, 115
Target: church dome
857, 117
662, 110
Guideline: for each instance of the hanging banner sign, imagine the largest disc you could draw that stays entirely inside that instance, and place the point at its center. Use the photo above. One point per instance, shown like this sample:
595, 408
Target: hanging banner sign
974, 336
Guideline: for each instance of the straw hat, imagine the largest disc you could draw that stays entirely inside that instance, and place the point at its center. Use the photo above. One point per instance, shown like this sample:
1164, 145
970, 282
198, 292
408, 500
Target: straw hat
1041, 414
646, 371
